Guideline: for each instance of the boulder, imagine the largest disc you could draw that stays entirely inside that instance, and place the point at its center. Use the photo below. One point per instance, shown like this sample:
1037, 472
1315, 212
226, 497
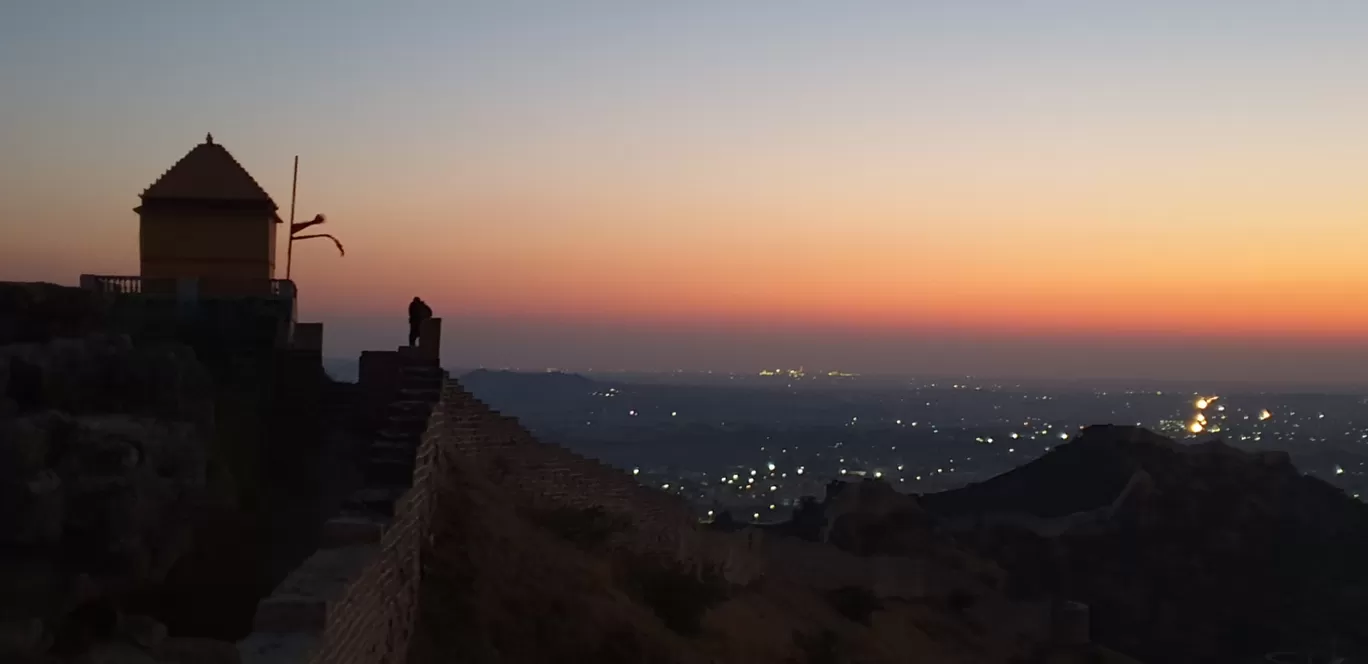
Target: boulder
197, 651
143, 631
106, 374
115, 652
102, 467
36, 312
22, 639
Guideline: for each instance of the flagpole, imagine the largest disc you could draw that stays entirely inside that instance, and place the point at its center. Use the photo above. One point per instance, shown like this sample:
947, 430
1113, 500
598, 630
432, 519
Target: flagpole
289, 230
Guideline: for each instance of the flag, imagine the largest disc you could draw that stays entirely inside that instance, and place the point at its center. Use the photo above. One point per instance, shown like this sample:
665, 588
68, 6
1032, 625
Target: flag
309, 237
318, 219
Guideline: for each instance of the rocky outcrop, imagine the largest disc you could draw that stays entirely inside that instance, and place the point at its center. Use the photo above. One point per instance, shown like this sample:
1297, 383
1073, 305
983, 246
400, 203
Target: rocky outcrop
103, 454
105, 373
110, 497
1193, 553
37, 312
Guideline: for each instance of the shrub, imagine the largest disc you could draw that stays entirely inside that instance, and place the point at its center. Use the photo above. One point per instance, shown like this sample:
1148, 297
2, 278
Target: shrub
855, 603
678, 597
960, 600
586, 528
819, 648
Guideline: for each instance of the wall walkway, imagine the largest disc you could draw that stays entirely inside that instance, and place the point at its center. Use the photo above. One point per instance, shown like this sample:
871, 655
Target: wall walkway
356, 598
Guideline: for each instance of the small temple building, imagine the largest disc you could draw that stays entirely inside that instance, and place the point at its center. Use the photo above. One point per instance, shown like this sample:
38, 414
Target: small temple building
207, 239
207, 218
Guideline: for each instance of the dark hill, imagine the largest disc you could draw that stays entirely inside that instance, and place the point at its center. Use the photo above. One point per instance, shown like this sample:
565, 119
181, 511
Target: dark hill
523, 383
538, 398
1086, 474
1215, 555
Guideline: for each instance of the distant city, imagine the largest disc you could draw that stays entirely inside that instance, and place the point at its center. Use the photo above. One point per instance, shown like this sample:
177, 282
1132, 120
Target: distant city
755, 444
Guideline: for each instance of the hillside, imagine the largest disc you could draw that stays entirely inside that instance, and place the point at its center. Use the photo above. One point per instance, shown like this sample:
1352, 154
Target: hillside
1186, 553
506, 580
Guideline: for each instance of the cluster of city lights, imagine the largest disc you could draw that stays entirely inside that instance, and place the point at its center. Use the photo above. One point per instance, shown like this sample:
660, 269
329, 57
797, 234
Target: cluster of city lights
1200, 423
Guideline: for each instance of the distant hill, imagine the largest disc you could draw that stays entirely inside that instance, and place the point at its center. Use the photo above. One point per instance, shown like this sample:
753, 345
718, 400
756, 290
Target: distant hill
513, 575
524, 383
533, 397
1186, 553
342, 369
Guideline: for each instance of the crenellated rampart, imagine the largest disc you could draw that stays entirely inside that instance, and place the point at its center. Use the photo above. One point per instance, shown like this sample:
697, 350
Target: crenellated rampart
356, 598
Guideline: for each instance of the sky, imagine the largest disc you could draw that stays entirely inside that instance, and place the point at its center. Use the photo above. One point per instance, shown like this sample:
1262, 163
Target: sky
1027, 187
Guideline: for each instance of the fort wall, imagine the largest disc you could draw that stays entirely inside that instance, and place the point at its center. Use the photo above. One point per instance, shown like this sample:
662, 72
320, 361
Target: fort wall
356, 598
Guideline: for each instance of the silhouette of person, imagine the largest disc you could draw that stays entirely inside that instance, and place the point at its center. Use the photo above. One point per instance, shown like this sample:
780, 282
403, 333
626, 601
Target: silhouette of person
419, 311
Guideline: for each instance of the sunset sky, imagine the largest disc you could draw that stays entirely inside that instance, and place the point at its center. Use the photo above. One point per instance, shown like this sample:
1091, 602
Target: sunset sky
1018, 187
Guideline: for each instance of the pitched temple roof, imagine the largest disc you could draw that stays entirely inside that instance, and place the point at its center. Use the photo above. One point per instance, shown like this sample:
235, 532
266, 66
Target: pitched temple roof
208, 173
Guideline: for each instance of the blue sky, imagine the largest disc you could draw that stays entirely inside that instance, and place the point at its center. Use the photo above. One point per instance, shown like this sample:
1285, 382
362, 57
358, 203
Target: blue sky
1065, 168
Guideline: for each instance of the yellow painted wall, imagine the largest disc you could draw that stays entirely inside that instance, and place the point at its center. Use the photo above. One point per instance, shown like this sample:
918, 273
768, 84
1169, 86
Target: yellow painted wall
271, 250
230, 245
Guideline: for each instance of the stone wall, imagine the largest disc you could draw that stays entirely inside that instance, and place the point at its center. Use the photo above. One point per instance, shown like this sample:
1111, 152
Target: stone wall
356, 599
826, 567
551, 476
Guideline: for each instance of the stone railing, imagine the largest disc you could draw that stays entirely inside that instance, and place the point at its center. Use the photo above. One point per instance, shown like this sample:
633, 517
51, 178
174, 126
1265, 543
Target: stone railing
117, 285
206, 312
189, 287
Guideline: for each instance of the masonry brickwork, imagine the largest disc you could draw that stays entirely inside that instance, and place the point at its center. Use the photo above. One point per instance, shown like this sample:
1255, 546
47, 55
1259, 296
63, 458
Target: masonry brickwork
356, 599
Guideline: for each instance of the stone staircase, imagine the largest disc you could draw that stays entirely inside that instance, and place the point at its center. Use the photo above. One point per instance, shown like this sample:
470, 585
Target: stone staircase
302, 613
389, 460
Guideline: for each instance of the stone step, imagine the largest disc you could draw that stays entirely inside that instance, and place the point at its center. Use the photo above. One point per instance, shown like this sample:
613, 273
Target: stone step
399, 435
409, 409
300, 602
391, 452
426, 394
345, 530
272, 648
405, 430
377, 499
408, 425
390, 472
290, 613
